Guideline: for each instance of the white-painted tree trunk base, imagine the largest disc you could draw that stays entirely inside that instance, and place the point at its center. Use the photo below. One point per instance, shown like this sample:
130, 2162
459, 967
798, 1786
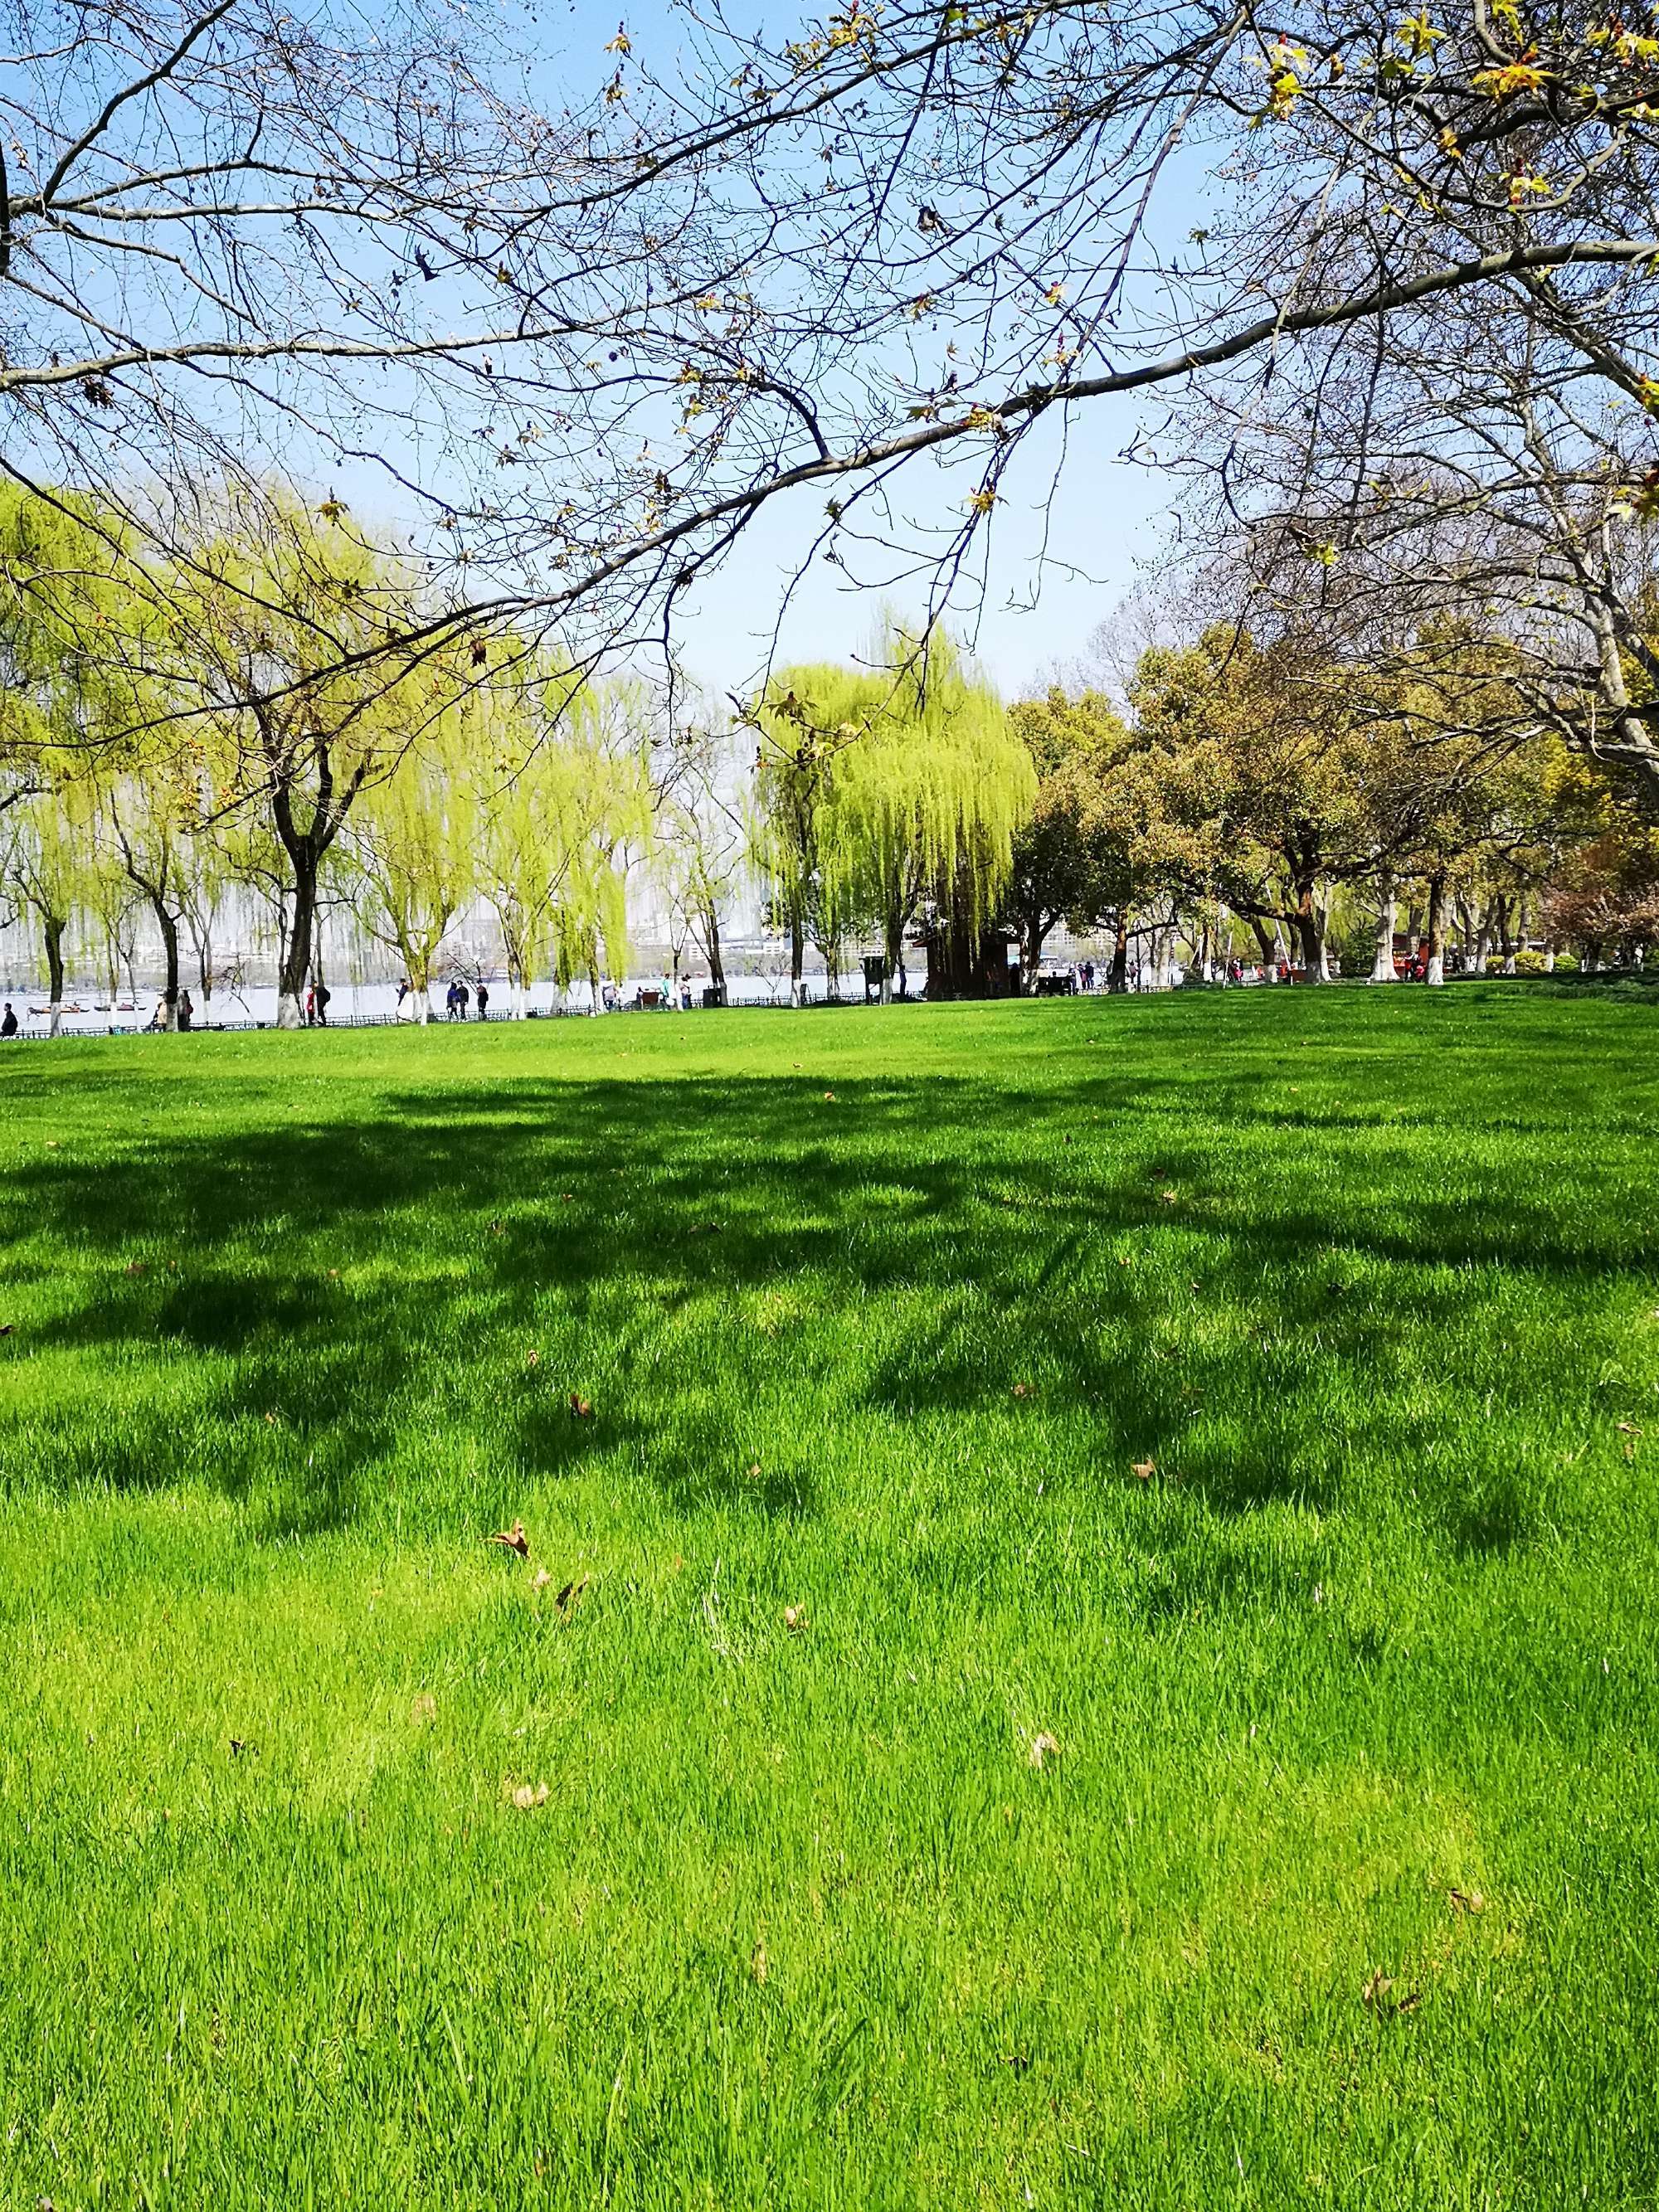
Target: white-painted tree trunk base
1437, 971
288, 1012
1382, 965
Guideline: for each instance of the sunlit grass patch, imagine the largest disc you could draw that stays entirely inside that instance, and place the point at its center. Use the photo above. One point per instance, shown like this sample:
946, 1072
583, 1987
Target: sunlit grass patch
1086, 1635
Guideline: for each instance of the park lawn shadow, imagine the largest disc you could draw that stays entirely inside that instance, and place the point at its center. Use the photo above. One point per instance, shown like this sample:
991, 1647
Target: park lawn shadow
328, 1282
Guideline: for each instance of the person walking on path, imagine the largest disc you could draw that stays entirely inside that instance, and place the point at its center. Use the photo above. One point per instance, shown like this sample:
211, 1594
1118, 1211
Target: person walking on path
9, 1026
483, 1000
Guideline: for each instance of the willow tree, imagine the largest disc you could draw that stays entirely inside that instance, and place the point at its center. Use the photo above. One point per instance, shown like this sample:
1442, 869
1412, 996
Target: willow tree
412, 849
289, 639
561, 785
48, 859
72, 652
915, 787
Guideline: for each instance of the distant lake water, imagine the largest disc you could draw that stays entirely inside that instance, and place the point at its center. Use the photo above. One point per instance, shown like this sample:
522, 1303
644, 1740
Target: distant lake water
85, 1016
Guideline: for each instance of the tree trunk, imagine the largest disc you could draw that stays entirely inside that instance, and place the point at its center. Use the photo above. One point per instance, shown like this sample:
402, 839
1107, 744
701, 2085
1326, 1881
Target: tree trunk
1549, 956
1436, 970
1033, 935
798, 956
296, 953
1118, 981
1506, 941
1311, 934
1482, 942
1162, 938
169, 929
54, 927
1264, 945
1382, 966
711, 940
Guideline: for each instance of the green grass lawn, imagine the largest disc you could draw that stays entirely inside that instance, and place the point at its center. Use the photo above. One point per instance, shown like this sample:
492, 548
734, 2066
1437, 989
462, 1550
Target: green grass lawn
1340, 1888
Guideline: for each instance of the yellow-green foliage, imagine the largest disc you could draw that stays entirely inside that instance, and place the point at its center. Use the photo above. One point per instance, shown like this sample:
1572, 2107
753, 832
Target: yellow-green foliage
907, 776
563, 787
414, 843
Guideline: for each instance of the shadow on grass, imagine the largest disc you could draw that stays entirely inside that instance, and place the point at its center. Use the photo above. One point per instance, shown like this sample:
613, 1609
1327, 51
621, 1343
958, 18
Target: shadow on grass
348, 1273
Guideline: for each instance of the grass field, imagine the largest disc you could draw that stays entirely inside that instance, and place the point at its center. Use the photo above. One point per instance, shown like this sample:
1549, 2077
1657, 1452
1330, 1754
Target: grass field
1340, 1888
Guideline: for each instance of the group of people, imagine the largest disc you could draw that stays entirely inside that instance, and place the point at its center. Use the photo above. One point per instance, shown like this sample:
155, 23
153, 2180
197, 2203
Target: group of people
458, 997
667, 996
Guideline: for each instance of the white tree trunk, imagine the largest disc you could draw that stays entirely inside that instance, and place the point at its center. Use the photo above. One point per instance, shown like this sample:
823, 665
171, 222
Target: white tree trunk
1549, 957
54, 1018
1382, 966
289, 1013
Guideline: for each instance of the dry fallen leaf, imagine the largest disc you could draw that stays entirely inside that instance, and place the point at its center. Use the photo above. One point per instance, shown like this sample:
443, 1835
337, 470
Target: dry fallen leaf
1042, 1747
830, 1094
513, 1539
757, 1962
1168, 1197
571, 1595
528, 1796
238, 1744
1628, 1429
1376, 1987
1022, 1389
795, 1618
5, 1327
137, 1267
1144, 1469
424, 1709
580, 1407
540, 1579
1466, 1901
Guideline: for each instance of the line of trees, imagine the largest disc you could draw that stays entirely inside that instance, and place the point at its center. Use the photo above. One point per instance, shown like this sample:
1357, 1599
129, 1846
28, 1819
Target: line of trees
1414, 328
239, 729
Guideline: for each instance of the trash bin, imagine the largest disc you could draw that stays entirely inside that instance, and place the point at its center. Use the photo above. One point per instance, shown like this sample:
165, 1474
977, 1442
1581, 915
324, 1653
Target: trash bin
714, 994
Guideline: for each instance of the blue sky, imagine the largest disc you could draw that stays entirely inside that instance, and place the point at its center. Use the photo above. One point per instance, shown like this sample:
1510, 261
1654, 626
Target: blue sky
1104, 521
